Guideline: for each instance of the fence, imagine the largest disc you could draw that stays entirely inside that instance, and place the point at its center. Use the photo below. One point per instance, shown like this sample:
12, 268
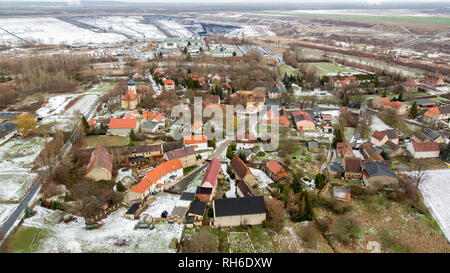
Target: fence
103, 214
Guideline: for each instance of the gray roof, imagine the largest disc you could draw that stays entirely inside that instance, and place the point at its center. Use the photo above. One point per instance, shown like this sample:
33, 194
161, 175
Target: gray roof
374, 168
179, 212
133, 208
188, 196
239, 206
198, 208
336, 167
183, 152
149, 125
130, 82
391, 134
432, 135
9, 115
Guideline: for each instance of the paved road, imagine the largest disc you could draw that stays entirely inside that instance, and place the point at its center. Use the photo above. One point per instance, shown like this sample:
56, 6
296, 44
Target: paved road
9, 223
182, 185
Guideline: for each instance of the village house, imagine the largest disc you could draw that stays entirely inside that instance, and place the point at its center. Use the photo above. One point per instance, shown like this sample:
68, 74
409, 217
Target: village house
385, 103
433, 136
207, 189
222, 53
131, 99
122, 127
376, 174
303, 121
274, 170
335, 169
186, 155
378, 138
245, 142
216, 79
135, 161
169, 85
352, 167
354, 107
410, 85
270, 116
100, 164
199, 142
369, 152
438, 113
242, 172
147, 151
170, 146
242, 190
249, 210
154, 181
344, 149
393, 149
419, 137
423, 149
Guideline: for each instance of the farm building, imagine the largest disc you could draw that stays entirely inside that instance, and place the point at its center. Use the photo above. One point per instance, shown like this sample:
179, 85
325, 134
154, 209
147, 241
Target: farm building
147, 151
100, 164
186, 155
303, 121
154, 180
122, 127
207, 188
377, 174
239, 211
424, 149
242, 190
199, 142
242, 172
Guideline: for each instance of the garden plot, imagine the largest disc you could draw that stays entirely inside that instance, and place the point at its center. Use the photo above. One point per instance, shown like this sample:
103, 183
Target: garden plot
239, 242
436, 193
51, 31
164, 201
116, 235
261, 178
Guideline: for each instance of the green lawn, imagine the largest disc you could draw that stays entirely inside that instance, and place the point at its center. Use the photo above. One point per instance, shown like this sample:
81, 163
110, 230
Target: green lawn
287, 69
27, 239
189, 169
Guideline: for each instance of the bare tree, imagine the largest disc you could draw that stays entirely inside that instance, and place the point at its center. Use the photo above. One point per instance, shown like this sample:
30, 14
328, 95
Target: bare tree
418, 177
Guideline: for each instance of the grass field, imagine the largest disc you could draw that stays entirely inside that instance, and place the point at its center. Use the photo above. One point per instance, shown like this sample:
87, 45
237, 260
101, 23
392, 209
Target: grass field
330, 69
106, 141
287, 69
396, 19
27, 239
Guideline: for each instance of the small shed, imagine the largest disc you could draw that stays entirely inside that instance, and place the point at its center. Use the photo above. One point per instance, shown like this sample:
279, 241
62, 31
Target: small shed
313, 147
342, 193
131, 212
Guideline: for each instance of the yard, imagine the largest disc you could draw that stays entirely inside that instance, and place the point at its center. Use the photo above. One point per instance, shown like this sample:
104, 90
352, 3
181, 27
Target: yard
106, 141
116, 235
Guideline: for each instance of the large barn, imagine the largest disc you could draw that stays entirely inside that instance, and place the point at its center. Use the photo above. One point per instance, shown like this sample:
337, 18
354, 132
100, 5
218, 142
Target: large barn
239, 211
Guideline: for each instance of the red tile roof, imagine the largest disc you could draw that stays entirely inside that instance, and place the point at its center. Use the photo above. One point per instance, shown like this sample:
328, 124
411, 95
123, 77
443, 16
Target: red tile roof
213, 170
169, 82
195, 139
91, 123
239, 167
119, 123
100, 157
274, 166
154, 175
425, 146
129, 96
378, 135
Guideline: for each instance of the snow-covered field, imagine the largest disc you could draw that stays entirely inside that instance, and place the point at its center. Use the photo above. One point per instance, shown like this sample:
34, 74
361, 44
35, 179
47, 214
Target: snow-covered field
261, 177
51, 31
378, 124
53, 112
174, 28
131, 26
116, 229
250, 31
5, 211
436, 193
